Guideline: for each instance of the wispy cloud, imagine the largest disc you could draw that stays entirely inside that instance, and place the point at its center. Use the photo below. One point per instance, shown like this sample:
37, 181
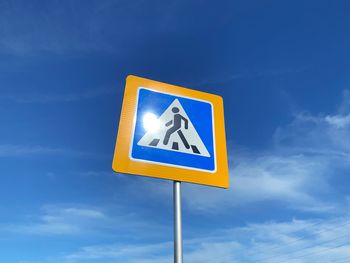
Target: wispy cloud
46, 30
10, 150
96, 173
300, 170
321, 240
291, 241
121, 252
285, 180
54, 28
230, 76
56, 220
56, 98
80, 220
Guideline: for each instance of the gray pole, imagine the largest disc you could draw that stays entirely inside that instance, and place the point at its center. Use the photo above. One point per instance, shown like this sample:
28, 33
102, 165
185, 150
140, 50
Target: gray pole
177, 223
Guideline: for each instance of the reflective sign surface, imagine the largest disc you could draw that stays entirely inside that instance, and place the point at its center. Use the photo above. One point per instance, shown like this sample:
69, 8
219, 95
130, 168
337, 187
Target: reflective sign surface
171, 132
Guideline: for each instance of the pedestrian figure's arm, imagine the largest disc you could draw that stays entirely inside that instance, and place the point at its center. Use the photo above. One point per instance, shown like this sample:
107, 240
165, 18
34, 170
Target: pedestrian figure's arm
168, 123
186, 122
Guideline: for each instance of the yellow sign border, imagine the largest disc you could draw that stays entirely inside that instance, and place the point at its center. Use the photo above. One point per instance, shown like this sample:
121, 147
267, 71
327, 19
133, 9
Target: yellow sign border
122, 162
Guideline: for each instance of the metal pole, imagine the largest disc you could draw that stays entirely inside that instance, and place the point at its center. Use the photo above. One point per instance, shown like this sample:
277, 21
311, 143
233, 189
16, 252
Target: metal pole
177, 223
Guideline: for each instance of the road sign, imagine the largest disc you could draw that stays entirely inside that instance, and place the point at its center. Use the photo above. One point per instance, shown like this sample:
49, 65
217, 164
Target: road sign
170, 132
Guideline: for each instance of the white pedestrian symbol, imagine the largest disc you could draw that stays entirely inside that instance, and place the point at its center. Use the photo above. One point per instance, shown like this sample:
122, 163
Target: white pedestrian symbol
175, 132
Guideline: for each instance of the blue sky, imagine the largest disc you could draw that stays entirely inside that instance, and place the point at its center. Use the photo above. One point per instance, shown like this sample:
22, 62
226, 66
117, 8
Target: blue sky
282, 68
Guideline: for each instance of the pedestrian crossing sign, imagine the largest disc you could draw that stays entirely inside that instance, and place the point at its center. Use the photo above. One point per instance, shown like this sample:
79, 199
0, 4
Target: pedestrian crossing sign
170, 132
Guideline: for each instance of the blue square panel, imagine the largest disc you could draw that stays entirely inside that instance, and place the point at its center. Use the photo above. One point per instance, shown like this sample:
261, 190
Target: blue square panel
172, 130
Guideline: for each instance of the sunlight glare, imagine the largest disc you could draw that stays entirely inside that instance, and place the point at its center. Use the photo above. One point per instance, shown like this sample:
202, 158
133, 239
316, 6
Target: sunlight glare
151, 122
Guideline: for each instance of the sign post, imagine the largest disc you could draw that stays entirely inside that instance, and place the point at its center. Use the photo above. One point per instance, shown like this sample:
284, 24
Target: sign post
177, 223
173, 133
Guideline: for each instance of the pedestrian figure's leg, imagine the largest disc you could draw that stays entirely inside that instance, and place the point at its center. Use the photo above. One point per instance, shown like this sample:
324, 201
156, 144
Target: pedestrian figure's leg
168, 134
183, 139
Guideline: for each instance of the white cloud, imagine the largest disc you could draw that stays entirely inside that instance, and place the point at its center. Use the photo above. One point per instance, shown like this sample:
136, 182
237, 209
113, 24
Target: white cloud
292, 241
120, 252
324, 134
288, 180
338, 121
10, 150
74, 220
56, 220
